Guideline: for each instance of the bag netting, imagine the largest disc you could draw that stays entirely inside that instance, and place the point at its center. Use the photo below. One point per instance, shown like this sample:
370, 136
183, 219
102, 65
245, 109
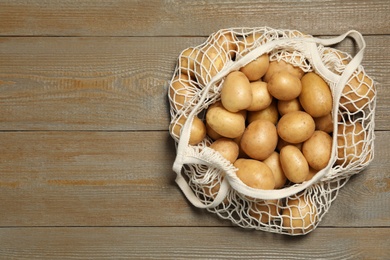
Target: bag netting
209, 180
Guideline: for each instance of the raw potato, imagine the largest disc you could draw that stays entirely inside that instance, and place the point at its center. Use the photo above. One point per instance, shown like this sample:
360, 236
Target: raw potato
227, 41
211, 133
197, 132
358, 92
209, 62
227, 148
248, 43
269, 113
180, 91
282, 143
224, 122
299, 216
349, 143
259, 139
273, 162
187, 61
261, 98
284, 86
294, 164
255, 174
316, 98
256, 68
269, 210
287, 106
236, 93
311, 174
276, 66
296, 127
318, 149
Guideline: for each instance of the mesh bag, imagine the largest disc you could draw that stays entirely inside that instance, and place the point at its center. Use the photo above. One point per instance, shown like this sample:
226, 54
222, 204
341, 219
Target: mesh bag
210, 181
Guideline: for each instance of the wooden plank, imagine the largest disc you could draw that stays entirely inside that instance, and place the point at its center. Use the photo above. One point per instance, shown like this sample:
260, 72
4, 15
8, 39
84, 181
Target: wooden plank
191, 243
105, 83
126, 179
140, 18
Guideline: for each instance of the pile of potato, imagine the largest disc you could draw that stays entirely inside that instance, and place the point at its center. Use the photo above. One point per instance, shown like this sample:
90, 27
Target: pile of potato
273, 121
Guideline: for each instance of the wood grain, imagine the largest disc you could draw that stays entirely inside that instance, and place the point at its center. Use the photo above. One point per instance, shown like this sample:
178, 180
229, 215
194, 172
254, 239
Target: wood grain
126, 179
172, 18
191, 243
103, 83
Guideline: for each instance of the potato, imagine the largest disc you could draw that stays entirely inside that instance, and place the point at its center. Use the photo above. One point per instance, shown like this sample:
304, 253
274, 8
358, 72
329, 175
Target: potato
209, 62
273, 162
259, 139
265, 210
296, 127
255, 174
284, 86
197, 131
324, 123
287, 106
316, 97
269, 113
294, 164
358, 92
180, 91
256, 68
311, 174
318, 149
299, 216
224, 122
249, 43
276, 66
349, 143
227, 148
236, 93
261, 98
227, 41
187, 61
211, 133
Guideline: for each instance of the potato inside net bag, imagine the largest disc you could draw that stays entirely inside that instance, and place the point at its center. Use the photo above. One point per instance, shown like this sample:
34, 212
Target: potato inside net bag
264, 193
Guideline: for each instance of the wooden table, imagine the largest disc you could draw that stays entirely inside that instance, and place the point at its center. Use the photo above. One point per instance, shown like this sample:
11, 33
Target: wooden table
85, 154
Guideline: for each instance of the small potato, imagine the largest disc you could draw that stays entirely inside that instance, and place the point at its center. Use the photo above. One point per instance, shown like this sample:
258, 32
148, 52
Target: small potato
256, 68
349, 143
273, 162
296, 127
249, 42
211, 133
282, 143
227, 148
318, 149
287, 106
181, 91
197, 132
324, 123
269, 113
316, 97
209, 61
255, 174
276, 66
284, 86
187, 61
294, 164
224, 122
261, 98
227, 41
265, 210
299, 216
358, 92
236, 93
259, 139
311, 174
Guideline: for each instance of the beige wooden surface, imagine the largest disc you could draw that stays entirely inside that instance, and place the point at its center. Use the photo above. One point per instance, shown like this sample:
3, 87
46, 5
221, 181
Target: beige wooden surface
85, 154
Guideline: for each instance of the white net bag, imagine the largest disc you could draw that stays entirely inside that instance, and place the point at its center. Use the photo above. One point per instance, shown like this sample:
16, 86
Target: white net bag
284, 187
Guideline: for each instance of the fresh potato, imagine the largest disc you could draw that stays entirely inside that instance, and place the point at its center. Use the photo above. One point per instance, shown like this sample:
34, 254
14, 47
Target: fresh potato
236, 93
255, 174
265, 210
269, 113
256, 68
349, 143
294, 164
299, 216
259, 139
261, 98
180, 91
318, 149
227, 148
296, 127
209, 62
273, 162
324, 123
316, 97
197, 132
187, 61
287, 106
276, 66
284, 86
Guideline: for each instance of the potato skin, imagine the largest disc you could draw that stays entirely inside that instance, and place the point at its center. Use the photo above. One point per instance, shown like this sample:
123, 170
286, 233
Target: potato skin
294, 164
255, 174
296, 127
318, 149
